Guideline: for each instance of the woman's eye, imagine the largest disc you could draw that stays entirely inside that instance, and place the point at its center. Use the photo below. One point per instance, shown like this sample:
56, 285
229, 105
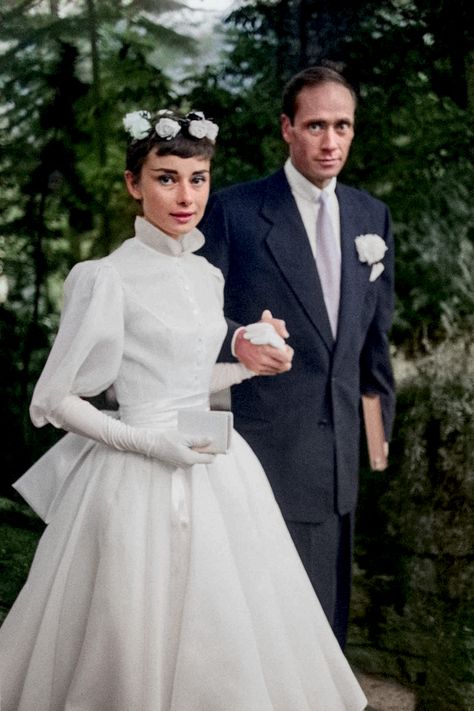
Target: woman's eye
199, 179
165, 179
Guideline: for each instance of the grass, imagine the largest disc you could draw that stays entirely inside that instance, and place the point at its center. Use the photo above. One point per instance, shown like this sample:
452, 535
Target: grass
20, 530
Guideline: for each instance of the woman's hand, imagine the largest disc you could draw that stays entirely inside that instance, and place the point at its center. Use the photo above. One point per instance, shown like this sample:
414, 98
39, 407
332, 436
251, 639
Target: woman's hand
261, 346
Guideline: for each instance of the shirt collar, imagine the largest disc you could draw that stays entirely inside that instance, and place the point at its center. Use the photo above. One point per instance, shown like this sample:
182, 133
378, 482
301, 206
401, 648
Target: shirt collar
302, 187
158, 240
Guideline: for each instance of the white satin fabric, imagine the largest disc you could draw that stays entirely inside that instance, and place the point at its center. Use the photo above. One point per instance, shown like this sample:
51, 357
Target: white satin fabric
153, 588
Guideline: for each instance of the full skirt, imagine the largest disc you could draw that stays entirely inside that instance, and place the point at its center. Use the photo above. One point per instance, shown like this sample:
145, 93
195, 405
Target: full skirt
161, 589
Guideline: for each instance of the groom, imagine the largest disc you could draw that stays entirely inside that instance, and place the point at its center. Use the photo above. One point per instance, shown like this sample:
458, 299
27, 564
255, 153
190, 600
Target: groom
288, 243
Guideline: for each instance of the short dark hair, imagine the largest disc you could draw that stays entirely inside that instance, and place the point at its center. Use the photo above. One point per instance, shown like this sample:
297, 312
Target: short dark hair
311, 76
183, 145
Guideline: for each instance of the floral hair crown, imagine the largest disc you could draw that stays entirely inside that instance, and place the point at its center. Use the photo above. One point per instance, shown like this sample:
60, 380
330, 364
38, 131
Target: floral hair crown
139, 125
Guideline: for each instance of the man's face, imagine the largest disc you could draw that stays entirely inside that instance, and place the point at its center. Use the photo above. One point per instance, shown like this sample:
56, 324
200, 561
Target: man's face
322, 131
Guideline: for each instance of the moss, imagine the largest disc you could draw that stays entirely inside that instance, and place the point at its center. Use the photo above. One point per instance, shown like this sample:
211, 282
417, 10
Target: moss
413, 615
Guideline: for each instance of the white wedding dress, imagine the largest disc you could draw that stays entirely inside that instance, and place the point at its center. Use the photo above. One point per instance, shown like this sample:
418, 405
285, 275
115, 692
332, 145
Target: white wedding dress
153, 588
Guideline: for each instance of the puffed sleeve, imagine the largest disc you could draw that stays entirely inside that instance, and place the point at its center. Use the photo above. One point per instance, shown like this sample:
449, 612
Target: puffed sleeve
86, 354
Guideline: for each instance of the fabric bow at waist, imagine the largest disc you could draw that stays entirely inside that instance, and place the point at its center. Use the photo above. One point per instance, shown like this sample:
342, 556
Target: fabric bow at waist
156, 416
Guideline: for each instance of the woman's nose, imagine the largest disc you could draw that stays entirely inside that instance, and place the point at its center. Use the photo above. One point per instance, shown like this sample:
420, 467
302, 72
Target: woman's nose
184, 195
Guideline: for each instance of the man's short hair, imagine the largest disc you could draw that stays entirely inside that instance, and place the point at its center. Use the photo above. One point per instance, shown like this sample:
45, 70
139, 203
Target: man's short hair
312, 76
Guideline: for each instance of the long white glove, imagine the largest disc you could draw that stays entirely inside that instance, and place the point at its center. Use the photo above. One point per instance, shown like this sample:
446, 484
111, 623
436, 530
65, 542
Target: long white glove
76, 415
226, 374
263, 334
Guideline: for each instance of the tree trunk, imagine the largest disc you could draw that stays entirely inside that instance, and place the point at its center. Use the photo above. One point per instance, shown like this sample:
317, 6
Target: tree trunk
104, 238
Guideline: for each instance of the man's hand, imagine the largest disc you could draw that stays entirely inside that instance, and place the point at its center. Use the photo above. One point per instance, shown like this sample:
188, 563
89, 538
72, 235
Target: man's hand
379, 465
264, 359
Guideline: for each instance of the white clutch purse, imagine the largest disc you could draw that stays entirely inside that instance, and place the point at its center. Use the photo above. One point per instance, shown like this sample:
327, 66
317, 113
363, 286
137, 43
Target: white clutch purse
216, 425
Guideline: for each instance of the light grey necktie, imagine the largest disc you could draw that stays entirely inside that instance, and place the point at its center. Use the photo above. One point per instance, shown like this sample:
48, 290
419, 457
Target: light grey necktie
328, 261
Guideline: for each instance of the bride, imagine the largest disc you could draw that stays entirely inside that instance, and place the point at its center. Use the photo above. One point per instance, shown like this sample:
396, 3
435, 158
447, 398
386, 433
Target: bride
166, 579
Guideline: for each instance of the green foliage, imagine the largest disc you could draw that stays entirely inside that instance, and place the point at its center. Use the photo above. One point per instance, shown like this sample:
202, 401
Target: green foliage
426, 178
414, 592
19, 533
249, 141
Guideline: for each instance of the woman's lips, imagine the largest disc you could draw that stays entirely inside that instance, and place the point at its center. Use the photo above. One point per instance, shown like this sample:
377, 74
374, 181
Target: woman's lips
182, 216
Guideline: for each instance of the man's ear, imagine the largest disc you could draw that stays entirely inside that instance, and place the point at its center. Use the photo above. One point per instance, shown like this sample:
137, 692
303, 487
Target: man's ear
133, 185
285, 125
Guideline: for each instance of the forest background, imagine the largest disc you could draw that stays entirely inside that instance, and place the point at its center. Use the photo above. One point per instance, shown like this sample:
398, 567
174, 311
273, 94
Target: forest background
71, 69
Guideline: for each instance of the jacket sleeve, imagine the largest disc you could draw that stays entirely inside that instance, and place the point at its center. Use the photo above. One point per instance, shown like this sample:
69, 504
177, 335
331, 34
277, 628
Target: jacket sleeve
217, 249
375, 365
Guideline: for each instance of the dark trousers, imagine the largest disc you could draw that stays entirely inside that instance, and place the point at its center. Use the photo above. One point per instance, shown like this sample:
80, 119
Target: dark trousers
326, 552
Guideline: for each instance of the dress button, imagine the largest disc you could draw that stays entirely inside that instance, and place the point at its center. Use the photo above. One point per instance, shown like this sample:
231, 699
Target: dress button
323, 423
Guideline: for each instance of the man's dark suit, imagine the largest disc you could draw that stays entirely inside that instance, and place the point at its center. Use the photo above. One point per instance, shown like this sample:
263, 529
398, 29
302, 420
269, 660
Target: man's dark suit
304, 425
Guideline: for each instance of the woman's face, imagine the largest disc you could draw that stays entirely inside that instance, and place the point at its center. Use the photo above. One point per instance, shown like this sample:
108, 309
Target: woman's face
173, 191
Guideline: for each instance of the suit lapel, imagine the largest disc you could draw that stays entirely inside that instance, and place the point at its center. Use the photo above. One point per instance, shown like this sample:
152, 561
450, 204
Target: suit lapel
354, 282
289, 245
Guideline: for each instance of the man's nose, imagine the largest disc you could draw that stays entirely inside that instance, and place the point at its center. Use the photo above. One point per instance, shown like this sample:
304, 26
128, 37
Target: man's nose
329, 141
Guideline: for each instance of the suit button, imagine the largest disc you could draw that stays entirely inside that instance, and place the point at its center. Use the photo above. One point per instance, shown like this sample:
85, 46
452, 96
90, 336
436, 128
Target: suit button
322, 424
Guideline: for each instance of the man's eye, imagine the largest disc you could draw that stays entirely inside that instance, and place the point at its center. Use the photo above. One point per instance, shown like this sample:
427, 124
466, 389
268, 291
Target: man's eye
315, 127
343, 126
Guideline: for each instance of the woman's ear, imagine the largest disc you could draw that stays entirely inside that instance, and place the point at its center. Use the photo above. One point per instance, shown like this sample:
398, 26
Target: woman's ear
133, 185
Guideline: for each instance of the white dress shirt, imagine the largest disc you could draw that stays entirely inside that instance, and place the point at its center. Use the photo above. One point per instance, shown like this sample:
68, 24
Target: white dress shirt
307, 200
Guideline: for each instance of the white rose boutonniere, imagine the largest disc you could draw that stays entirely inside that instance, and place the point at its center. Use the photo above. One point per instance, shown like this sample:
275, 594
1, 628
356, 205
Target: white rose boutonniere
371, 249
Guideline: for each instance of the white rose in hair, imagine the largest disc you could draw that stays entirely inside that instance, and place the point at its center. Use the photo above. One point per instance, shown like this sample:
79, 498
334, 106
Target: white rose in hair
212, 130
167, 128
137, 124
370, 248
198, 128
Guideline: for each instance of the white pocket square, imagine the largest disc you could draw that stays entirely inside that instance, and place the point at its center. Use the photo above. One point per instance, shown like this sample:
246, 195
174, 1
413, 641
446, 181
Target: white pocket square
376, 271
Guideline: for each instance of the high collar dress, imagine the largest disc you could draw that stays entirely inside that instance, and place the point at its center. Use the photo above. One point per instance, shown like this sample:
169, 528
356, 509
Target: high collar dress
155, 588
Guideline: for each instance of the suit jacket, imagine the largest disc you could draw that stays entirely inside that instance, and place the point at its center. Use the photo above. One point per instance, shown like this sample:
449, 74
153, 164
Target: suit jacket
304, 425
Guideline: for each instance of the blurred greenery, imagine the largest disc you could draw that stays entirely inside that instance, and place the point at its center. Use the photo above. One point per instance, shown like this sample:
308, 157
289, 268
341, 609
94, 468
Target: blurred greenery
413, 606
19, 533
